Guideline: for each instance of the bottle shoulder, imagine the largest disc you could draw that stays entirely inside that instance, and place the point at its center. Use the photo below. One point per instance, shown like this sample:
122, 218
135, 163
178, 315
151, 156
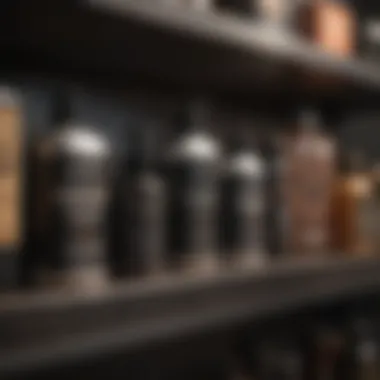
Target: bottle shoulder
77, 140
247, 164
197, 145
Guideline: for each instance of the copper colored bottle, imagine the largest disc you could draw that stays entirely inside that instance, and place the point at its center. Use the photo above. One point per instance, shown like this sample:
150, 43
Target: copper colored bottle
308, 177
353, 209
330, 24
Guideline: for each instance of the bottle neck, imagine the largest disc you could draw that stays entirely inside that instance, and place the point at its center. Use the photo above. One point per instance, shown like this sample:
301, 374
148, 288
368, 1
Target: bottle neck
195, 117
61, 107
309, 122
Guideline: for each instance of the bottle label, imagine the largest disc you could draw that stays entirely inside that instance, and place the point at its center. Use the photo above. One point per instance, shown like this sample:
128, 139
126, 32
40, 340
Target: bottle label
10, 149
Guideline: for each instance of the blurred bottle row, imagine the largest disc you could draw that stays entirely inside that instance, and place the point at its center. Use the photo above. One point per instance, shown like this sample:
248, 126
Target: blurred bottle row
198, 200
321, 351
342, 27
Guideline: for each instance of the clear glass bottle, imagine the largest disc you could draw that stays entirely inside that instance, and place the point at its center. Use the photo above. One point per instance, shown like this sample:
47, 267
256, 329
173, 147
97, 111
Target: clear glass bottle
193, 171
309, 173
73, 191
243, 209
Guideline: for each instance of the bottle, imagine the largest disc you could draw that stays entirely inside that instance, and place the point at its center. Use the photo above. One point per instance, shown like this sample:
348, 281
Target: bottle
11, 176
368, 34
309, 173
73, 194
375, 178
242, 214
275, 210
353, 208
279, 360
331, 24
193, 169
363, 361
370, 41
140, 205
327, 353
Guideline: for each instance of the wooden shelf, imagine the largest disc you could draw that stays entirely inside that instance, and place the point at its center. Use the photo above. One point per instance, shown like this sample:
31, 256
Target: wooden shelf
131, 42
47, 330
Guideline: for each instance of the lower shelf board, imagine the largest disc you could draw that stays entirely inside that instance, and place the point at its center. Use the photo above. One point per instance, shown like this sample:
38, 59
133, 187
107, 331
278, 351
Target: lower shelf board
43, 330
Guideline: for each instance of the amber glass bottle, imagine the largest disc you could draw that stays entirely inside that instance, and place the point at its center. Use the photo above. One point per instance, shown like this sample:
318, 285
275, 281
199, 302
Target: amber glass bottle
352, 209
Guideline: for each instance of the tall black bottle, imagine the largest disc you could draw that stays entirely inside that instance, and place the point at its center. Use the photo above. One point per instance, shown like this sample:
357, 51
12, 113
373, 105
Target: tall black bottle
73, 167
275, 219
242, 215
139, 206
193, 173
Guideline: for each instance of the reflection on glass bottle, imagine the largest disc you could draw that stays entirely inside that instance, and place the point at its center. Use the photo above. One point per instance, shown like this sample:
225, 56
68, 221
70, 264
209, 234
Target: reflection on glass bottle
309, 173
242, 213
73, 195
193, 174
